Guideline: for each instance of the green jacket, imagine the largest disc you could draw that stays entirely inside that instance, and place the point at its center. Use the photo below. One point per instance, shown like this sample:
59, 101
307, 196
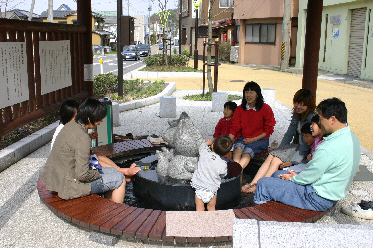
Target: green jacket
66, 170
333, 165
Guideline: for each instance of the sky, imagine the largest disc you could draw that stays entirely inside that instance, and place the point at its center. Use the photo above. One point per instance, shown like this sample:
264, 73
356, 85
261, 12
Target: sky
136, 7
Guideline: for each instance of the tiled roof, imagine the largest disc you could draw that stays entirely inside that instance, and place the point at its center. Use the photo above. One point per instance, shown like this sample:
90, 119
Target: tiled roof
58, 13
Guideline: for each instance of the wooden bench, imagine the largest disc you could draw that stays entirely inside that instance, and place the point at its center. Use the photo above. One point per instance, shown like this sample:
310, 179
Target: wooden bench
102, 215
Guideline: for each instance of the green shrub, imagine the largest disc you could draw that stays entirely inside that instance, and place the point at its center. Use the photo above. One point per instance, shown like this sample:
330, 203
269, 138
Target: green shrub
157, 60
104, 84
185, 53
225, 51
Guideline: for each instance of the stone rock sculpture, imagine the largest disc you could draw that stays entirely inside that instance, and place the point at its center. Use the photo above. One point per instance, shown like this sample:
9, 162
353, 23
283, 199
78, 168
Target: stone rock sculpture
184, 139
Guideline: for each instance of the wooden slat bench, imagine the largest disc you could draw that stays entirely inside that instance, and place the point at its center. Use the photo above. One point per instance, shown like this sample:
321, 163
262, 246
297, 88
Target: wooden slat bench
100, 214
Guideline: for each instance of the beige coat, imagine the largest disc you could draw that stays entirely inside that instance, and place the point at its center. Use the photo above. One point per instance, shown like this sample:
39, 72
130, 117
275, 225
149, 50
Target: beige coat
66, 170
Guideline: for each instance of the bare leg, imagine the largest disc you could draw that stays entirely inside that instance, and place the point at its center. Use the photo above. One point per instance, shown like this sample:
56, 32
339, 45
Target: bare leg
200, 205
117, 195
237, 154
212, 203
106, 162
275, 165
245, 160
249, 188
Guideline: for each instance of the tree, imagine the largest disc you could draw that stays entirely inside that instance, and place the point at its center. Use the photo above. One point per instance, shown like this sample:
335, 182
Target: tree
163, 17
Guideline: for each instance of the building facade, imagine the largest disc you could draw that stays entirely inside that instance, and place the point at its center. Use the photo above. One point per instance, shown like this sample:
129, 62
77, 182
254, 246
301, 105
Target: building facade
259, 31
346, 42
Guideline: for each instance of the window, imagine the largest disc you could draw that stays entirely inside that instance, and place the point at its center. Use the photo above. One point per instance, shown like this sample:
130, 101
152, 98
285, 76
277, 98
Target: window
137, 28
225, 3
260, 33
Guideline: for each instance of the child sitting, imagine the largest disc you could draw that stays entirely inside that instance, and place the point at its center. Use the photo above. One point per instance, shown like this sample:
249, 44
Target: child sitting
318, 135
211, 168
273, 163
224, 124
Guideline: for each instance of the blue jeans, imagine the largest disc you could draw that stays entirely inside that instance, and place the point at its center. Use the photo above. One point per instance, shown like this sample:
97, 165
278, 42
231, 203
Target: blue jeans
300, 196
252, 148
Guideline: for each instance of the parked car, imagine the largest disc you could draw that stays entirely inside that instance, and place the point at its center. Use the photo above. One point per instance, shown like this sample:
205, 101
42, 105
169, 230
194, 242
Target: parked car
161, 46
144, 49
97, 48
131, 52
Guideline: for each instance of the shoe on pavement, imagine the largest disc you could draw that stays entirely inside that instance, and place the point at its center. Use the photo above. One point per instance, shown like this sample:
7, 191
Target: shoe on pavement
357, 211
366, 204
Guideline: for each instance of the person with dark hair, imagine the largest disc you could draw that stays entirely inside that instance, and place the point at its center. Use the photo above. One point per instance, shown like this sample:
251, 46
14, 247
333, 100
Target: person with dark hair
68, 111
254, 121
211, 168
67, 169
292, 150
328, 175
225, 123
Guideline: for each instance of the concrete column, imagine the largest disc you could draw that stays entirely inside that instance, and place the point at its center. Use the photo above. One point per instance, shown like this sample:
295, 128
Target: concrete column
242, 34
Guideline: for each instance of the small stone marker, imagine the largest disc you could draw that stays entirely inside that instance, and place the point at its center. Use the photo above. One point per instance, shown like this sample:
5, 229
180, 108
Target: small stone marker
115, 114
218, 100
269, 96
167, 107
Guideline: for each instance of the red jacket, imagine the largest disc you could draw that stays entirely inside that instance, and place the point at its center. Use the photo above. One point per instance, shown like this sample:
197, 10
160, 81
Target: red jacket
223, 127
253, 123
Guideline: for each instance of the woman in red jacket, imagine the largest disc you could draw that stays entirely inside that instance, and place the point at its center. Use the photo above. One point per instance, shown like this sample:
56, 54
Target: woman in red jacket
256, 121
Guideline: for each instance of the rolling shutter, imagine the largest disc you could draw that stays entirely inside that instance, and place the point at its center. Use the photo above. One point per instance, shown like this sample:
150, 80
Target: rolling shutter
355, 52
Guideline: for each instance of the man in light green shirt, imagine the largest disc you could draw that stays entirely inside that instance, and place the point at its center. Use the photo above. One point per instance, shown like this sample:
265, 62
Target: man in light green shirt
328, 175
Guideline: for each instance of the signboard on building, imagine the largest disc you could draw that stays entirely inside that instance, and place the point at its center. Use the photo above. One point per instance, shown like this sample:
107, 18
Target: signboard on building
55, 65
335, 19
13, 73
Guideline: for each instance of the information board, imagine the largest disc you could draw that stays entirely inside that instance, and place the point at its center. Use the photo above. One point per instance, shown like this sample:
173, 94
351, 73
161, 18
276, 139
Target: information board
13, 71
55, 65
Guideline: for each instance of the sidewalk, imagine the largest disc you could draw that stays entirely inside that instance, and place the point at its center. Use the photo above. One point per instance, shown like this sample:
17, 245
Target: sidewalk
26, 222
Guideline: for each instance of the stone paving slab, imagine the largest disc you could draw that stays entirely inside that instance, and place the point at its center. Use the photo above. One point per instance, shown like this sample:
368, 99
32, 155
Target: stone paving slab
290, 234
199, 224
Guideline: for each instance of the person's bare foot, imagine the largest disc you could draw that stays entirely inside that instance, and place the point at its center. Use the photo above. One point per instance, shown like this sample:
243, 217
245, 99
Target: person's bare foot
248, 188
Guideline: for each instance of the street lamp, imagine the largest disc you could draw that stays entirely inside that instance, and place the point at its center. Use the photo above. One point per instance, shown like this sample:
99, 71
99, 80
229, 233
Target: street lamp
196, 3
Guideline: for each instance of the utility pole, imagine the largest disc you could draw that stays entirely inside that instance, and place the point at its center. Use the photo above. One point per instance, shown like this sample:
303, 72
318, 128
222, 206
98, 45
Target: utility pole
119, 48
180, 9
31, 10
128, 7
149, 9
286, 29
50, 11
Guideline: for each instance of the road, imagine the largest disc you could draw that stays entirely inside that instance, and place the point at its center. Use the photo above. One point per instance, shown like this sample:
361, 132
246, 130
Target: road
110, 63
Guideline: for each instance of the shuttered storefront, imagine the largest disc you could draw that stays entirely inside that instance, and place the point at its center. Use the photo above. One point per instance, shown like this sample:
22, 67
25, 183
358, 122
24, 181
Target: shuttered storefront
355, 52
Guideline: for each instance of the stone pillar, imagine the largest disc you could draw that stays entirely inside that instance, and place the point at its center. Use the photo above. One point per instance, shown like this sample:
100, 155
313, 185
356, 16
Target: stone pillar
218, 100
115, 106
269, 96
167, 107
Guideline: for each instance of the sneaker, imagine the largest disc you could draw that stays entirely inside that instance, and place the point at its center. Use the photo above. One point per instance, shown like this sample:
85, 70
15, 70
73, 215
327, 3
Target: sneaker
366, 204
357, 211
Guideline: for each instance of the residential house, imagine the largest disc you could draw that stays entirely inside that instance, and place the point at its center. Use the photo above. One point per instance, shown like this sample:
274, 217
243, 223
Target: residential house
20, 15
68, 16
259, 31
346, 42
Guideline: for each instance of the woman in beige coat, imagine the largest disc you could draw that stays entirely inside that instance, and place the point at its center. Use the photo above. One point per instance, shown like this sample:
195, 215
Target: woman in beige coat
67, 169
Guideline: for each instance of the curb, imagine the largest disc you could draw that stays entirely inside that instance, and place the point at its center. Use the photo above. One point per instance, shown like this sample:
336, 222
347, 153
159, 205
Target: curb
153, 74
15, 152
